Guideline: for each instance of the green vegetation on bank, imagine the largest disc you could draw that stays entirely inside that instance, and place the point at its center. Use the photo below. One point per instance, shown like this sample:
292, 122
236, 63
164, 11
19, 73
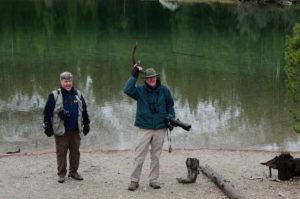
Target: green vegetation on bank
292, 69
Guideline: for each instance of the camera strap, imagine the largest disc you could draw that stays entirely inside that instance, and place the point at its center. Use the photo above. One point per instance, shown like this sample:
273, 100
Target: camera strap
169, 140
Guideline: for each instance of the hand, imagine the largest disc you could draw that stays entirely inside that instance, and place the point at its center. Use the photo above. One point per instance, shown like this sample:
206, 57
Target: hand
135, 72
86, 129
48, 129
138, 66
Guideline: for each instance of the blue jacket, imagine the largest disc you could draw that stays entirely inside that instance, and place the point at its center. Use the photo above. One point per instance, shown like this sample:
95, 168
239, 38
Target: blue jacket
69, 103
144, 95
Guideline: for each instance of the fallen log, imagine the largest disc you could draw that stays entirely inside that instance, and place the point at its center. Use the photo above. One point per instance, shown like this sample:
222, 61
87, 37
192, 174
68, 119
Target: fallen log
222, 183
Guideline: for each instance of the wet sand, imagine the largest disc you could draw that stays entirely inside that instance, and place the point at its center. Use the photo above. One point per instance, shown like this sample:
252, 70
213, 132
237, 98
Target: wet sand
106, 175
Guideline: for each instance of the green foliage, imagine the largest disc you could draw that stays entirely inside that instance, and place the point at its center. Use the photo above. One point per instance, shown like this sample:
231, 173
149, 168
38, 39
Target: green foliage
292, 69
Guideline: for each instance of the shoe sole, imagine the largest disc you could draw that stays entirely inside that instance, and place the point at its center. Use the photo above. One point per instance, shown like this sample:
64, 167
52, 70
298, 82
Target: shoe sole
75, 178
155, 187
133, 189
79, 179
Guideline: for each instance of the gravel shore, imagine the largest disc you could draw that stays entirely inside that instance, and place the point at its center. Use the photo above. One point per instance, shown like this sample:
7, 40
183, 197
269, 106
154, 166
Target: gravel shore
106, 175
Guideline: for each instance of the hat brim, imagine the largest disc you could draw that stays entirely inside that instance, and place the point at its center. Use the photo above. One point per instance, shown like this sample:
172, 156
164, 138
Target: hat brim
152, 76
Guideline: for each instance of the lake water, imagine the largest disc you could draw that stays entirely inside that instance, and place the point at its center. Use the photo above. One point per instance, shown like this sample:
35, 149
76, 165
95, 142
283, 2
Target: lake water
222, 62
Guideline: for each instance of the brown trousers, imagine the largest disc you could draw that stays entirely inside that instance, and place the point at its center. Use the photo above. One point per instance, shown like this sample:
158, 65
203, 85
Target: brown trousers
69, 141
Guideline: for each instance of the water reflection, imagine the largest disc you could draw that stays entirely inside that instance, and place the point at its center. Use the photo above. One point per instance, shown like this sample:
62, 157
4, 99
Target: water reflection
223, 64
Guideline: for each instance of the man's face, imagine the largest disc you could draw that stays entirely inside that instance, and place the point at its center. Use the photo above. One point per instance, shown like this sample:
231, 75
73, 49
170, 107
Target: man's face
66, 84
151, 81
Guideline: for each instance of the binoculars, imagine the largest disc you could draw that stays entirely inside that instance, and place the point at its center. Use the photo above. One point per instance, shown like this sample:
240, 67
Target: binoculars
153, 107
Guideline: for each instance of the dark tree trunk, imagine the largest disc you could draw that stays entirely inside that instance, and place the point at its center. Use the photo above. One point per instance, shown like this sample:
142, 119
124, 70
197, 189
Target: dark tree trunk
192, 165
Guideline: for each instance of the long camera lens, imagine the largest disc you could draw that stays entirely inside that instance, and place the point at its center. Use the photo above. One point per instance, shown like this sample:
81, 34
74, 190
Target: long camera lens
174, 123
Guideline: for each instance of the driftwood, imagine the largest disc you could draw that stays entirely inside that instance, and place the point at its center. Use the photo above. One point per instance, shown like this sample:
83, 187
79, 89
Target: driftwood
193, 168
286, 164
138, 63
132, 54
192, 165
222, 183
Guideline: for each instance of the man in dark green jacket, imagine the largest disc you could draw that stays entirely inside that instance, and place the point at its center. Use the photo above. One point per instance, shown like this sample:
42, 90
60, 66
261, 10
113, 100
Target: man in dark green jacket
154, 102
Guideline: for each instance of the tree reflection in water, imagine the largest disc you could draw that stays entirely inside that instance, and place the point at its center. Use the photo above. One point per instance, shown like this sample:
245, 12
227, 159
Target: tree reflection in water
223, 64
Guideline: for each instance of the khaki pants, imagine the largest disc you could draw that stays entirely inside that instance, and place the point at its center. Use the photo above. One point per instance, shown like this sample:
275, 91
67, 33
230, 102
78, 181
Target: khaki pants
69, 141
147, 137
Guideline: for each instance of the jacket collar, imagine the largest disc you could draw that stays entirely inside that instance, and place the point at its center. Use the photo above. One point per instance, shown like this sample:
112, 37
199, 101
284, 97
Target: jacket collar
65, 92
156, 88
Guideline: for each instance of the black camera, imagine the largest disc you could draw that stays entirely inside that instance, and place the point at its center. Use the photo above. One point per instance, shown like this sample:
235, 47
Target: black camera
171, 123
63, 114
153, 107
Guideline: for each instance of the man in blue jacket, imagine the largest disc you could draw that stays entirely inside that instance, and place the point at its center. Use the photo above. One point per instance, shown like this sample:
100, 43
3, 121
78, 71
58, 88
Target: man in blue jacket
65, 116
154, 102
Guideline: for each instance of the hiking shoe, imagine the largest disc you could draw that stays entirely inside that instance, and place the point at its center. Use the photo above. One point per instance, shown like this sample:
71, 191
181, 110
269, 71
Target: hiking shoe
61, 179
75, 176
154, 185
133, 186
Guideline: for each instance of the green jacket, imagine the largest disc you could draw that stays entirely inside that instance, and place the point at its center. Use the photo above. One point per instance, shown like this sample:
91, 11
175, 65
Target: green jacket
144, 95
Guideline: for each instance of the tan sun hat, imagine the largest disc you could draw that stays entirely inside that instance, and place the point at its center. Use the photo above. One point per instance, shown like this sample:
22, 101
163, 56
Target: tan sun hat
150, 72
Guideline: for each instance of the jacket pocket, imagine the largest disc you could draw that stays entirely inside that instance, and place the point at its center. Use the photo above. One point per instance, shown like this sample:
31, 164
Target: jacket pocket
144, 120
58, 125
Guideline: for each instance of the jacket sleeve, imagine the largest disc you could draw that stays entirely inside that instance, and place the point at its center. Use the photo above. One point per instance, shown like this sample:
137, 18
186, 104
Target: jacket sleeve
170, 103
85, 115
130, 88
49, 108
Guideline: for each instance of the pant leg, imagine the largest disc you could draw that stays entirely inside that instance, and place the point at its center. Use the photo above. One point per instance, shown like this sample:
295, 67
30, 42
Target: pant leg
62, 146
74, 155
156, 149
142, 147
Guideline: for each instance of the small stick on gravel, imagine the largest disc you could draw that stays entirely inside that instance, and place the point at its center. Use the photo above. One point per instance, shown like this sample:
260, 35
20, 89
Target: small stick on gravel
17, 151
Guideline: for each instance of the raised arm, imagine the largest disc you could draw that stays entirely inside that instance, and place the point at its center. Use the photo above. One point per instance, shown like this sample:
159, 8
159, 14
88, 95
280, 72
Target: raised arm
130, 88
